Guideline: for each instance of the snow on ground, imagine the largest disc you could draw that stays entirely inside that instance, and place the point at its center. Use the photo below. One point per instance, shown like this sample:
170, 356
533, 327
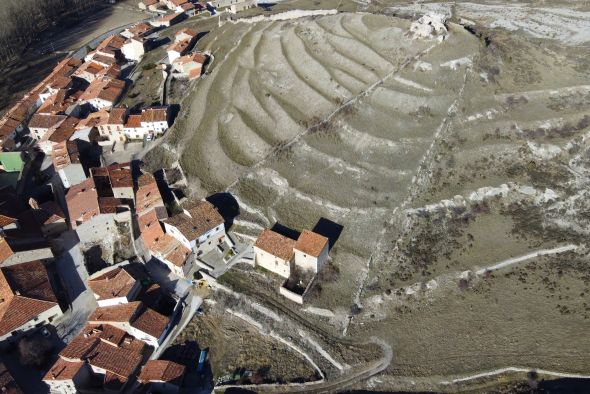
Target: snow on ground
429, 26
288, 15
456, 63
568, 25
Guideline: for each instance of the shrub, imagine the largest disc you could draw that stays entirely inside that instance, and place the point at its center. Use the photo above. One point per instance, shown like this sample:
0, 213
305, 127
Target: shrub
148, 66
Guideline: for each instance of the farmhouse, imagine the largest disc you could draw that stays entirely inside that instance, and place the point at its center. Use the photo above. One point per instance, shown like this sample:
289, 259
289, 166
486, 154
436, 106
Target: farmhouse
199, 228
137, 318
234, 5
134, 48
185, 34
274, 252
168, 20
189, 66
311, 251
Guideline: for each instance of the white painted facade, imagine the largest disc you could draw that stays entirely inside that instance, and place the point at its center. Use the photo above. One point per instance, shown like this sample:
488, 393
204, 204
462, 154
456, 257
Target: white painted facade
68, 386
72, 174
120, 300
157, 127
38, 132
39, 321
201, 245
133, 49
98, 103
123, 192
272, 263
308, 262
134, 133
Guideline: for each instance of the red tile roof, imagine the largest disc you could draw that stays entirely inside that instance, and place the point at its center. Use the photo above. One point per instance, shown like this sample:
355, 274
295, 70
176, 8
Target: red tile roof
112, 284
154, 115
311, 243
64, 370
105, 88
82, 201
25, 292
5, 249
275, 244
40, 121
162, 371
202, 217
151, 322
133, 121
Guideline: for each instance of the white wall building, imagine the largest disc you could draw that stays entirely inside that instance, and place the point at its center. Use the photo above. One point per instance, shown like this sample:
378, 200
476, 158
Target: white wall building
274, 252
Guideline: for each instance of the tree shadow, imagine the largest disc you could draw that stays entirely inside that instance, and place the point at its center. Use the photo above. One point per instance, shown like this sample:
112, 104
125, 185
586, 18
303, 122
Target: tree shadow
285, 231
328, 229
227, 206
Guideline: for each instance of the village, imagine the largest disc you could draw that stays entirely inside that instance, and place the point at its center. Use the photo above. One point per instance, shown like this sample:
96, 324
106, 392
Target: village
106, 258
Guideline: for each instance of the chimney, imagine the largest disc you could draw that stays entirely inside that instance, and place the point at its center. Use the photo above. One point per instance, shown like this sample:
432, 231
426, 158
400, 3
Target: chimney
33, 203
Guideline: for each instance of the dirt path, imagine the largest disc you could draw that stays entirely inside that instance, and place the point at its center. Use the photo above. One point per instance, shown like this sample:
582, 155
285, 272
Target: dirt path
515, 369
516, 260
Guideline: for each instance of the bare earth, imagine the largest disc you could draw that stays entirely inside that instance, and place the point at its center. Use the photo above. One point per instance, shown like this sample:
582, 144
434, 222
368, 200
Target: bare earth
438, 157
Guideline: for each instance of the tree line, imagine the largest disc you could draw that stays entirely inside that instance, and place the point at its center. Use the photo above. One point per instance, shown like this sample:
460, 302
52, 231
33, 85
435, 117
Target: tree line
21, 21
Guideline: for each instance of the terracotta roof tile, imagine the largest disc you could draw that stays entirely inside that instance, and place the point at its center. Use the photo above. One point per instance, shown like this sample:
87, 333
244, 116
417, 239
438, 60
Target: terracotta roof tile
311, 243
151, 322
162, 370
133, 121
275, 244
64, 131
25, 292
203, 218
41, 121
122, 313
5, 249
154, 115
112, 284
64, 370
82, 201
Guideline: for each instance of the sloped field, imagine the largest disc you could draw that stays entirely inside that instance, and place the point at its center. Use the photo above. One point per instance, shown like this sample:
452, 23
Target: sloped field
438, 158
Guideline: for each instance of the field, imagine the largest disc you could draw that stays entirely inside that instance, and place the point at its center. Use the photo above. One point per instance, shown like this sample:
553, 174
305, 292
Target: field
268, 360
439, 158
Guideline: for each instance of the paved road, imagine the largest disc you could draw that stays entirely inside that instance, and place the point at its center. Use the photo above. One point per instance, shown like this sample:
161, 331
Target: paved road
70, 265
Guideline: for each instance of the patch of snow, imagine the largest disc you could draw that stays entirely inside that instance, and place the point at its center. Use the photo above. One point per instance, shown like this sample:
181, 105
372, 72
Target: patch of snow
422, 66
321, 350
456, 63
429, 26
319, 311
288, 15
266, 311
411, 84
544, 151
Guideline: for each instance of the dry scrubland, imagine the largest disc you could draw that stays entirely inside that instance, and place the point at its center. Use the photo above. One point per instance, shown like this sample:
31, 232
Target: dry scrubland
461, 117
236, 345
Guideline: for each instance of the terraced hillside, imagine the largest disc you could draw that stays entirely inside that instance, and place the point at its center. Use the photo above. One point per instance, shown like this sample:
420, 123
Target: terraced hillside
457, 168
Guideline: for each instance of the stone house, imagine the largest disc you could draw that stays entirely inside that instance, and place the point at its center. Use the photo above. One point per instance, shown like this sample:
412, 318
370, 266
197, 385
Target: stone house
274, 252
199, 227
